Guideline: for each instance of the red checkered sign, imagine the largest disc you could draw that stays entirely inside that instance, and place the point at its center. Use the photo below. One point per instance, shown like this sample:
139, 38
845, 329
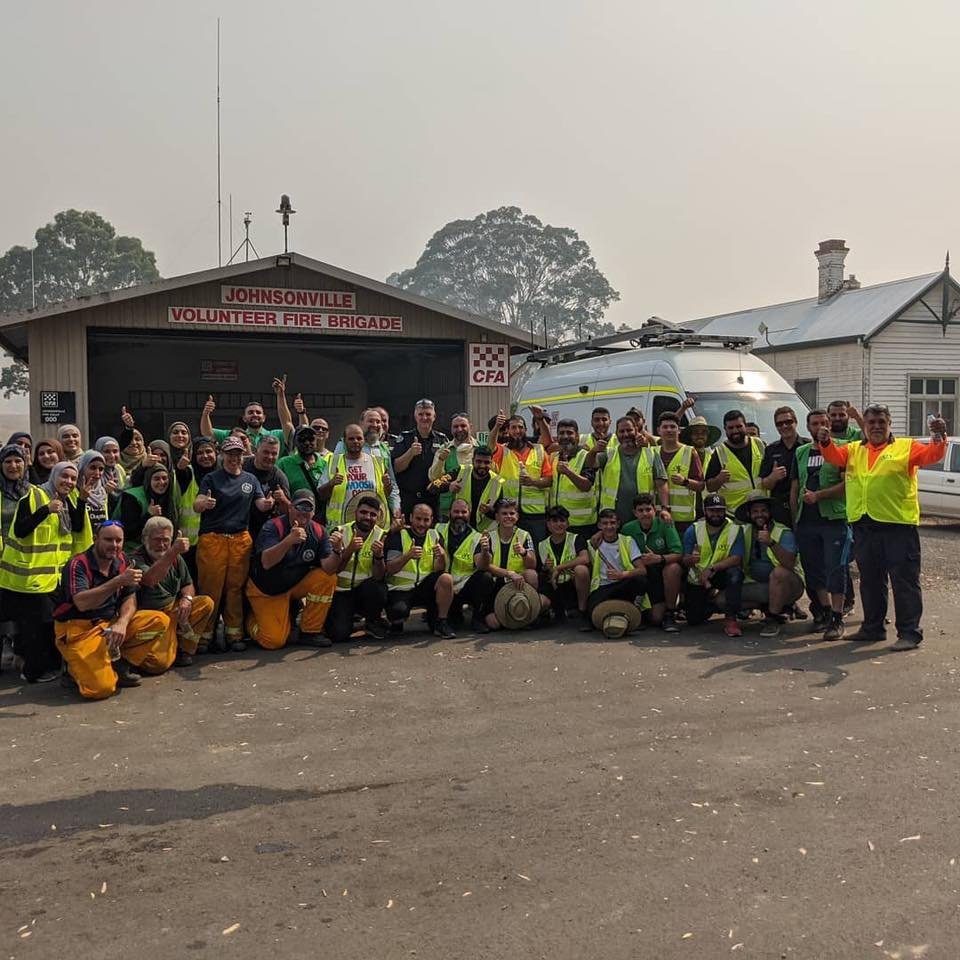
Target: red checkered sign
489, 365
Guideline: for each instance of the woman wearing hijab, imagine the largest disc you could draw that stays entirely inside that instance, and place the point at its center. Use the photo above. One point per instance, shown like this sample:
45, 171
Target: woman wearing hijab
103, 495
138, 504
113, 469
49, 527
69, 437
133, 451
178, 438
158, 452
203, 460
47, 455
14, 485
22, 439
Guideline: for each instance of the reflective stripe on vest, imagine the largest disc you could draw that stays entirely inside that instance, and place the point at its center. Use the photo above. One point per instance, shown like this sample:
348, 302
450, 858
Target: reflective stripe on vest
887, 491
610, 477
491, 493
568, 553
187, 520
709, 555
33, 564
588, 441
735, 490
776, 533
338, 496
582, 504
360, 566
530, 499
624, 544
515, 563
683, 500
414, 571
462, 564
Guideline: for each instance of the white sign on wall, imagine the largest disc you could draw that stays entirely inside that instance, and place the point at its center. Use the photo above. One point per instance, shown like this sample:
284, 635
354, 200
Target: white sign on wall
489, 364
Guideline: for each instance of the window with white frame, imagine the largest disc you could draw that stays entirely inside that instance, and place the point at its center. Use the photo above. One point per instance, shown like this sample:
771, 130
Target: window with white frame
932, 395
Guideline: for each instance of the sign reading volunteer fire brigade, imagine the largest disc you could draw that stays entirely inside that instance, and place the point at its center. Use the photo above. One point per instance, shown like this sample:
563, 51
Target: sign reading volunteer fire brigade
489, 364
291, 321
284, 297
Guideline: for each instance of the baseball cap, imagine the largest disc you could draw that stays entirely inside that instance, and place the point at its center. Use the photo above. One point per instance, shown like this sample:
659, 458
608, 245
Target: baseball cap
232, 443
303, 431
714, 500
303, 500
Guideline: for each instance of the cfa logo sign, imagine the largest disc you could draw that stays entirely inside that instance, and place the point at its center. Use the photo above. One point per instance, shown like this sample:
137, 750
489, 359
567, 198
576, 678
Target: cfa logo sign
489, 364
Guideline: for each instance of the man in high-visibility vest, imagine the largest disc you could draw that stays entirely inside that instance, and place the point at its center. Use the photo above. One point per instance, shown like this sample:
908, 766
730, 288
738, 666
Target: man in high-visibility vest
884, 509
617, 568
713, 556
527, 473
416, 574
446, 462
564, 564
468, 559
353, 473
599, 430
684, 471
479, 486
734, 467
571, 487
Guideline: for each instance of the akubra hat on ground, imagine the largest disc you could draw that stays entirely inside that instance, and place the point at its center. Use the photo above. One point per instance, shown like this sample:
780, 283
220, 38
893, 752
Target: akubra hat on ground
742, 513
614, 618
713, 433
516, 607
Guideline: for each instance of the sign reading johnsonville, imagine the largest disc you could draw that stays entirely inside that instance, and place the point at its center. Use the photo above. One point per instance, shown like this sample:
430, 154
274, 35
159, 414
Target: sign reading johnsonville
284, 297
288, 320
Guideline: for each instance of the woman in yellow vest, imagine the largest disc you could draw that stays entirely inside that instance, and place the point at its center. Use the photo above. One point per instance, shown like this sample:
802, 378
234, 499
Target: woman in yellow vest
49, 526
884, 510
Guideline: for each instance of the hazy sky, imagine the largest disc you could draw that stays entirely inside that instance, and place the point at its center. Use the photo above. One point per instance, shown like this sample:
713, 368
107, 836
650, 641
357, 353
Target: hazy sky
702, 149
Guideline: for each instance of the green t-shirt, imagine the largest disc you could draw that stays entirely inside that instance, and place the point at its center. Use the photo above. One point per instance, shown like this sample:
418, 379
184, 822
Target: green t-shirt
295, 470
662, 537
168, 589
255, 435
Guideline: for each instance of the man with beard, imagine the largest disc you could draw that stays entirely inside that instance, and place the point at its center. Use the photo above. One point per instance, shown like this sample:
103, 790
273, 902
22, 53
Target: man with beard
684, 471
734, 467
304, 468
840, 414
413, 454
778, 459
99, 631
884, 509
263, 465
628, 470
527, 473
479, 486
446, 463
361, 590
467, 563
253, 419
572, 488
168, 587
713, 556
351, 473
416, 574
293, 563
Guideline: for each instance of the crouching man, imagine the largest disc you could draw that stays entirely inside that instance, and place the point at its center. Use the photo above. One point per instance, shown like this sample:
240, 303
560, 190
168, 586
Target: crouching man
167, 586
564, 566
416, 574
293, 562
99, 631
468, 560
773, 577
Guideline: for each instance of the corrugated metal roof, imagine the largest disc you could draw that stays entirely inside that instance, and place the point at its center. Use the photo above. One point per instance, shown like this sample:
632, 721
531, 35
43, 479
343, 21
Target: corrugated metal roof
847, 315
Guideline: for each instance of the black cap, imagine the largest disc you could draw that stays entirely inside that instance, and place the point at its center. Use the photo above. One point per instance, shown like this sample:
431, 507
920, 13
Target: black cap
714, 500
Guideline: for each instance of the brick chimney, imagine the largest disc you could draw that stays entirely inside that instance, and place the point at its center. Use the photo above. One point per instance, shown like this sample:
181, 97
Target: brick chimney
830, 256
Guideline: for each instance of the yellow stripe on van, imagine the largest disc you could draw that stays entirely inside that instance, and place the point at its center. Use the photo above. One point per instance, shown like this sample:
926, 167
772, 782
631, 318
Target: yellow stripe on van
615, 392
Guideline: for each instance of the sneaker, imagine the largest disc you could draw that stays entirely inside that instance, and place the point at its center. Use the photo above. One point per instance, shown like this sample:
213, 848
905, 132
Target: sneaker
396, 629
478, 626
771, 629
669, 623
731, 628
315, 640
821, 620
835, 630
744, 615
797, 613
45, 677
183, 659
586, 626
861, 637
237, 646
444, 630
126, 675
377, 629
906, 643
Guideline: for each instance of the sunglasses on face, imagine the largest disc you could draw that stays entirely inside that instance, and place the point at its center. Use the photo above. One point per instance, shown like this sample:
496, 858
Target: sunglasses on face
111, 523
784, 423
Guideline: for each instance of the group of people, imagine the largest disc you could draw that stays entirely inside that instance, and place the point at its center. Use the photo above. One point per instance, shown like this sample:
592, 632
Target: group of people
129, 558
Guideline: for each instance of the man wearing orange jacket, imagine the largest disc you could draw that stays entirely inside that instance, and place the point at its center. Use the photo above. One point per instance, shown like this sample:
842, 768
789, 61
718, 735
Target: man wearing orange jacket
884, 509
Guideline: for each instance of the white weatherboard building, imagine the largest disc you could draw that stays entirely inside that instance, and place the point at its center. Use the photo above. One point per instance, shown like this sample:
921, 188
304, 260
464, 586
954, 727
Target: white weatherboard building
896, 343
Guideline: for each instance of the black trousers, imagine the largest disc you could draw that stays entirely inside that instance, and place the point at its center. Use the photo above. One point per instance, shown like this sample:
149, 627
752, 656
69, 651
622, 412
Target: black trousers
628, 589
889, 552
33, 615
478, 592
424, 594
366, 600
698, 603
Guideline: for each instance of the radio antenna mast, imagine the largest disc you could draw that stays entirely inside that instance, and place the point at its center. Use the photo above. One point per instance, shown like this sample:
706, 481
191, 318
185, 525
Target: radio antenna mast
247, 244
219, 200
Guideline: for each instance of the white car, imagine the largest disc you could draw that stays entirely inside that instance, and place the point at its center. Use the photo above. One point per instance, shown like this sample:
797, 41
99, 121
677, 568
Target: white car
939, 484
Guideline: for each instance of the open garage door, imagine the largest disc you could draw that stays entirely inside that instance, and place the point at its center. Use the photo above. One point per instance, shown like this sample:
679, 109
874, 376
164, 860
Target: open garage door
163, 377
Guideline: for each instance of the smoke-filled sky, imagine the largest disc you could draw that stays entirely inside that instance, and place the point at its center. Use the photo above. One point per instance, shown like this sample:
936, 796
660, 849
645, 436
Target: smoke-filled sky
702, 149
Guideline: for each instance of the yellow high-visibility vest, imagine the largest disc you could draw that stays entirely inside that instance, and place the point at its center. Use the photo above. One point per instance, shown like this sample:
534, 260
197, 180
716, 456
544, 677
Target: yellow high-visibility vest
610, 477
568, 553
735, 490
338, 496
462, 564
582, 504
33, 564
413, 572
887, 491
711, 554
531, 500
360, 566
683, 500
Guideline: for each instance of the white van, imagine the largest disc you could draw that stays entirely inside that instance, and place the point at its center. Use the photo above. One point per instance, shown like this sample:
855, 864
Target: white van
664, 367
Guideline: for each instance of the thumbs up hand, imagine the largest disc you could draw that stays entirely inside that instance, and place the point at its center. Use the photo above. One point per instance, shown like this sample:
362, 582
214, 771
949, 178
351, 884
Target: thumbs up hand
181, 545
210, 405
126, 418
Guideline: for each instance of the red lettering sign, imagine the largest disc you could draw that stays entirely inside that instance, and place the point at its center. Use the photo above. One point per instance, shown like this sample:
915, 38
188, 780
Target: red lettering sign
293, 321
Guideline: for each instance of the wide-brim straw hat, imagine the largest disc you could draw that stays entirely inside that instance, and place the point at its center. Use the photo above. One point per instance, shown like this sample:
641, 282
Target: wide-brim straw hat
713, 433
742, 513
516, 607
614, 618
350, 509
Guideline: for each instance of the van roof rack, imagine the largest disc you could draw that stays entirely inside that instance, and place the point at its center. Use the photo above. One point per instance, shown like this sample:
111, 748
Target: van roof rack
654, 333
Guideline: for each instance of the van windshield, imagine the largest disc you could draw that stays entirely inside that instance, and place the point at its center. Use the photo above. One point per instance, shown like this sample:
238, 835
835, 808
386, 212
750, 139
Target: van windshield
756, 407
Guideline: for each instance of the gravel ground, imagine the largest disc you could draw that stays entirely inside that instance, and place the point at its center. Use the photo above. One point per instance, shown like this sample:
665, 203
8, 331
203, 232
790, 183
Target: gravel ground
542, 794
